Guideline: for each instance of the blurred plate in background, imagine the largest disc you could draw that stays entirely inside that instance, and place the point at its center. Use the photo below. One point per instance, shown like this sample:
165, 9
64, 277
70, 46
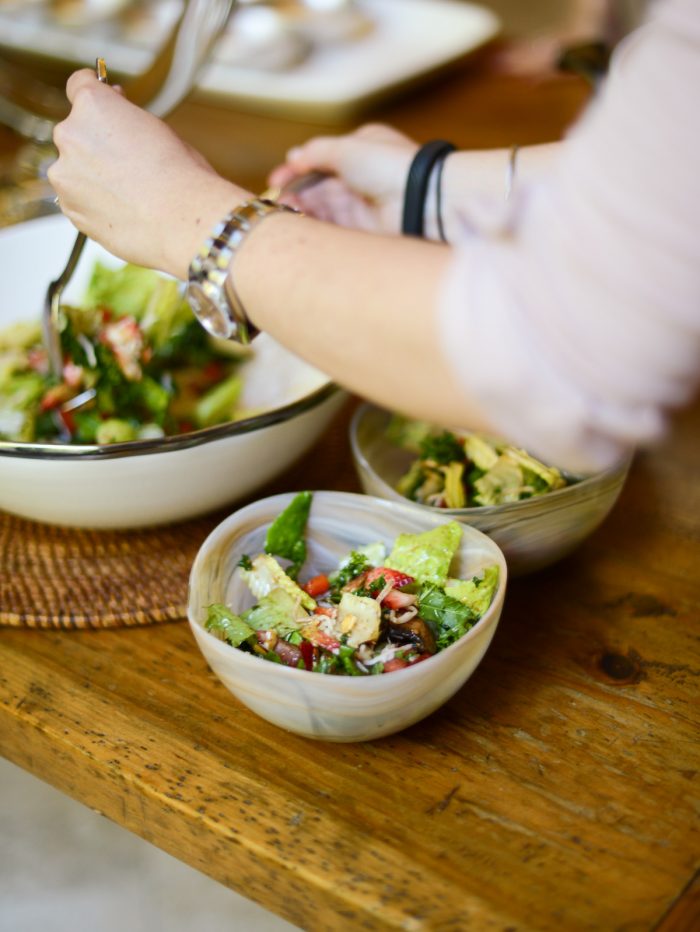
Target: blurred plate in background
315, 60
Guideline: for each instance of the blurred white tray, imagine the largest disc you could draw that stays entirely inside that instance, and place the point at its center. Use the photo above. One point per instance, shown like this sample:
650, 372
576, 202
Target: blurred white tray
410, 39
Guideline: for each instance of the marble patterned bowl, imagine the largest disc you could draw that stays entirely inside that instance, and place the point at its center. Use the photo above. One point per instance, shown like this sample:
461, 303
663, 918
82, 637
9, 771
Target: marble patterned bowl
335, 708
532, 534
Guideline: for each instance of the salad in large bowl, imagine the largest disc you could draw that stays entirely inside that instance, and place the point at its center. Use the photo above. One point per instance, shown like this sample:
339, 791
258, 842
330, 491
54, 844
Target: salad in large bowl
150, 421
136, 365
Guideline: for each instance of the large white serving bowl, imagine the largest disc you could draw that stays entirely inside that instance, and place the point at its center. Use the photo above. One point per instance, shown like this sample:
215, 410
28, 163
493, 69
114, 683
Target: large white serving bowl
335, 708
532, 533
147, 482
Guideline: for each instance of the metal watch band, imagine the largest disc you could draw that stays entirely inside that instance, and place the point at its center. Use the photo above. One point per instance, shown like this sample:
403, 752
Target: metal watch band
216, 305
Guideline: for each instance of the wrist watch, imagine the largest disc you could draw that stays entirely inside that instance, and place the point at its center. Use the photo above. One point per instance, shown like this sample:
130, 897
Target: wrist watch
210, 291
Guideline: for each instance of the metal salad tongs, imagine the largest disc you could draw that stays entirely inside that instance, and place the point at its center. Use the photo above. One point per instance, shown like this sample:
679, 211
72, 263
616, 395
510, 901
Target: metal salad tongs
52, 302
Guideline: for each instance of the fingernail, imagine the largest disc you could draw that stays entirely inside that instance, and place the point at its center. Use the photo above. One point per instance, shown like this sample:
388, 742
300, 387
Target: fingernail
294, 153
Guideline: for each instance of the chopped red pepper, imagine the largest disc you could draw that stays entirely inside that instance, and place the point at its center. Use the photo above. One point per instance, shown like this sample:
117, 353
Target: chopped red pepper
55, 396
68, 420
317, 585
213, 371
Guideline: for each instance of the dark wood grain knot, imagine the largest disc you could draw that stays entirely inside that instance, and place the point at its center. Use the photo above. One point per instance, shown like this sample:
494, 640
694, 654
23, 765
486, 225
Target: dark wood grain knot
620, 668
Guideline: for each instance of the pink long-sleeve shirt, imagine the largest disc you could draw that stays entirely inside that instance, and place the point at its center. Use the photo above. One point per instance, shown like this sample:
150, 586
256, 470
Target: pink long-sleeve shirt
574, 318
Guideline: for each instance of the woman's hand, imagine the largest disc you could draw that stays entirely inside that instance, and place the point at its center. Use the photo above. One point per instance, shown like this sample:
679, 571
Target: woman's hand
127, 181
368, 170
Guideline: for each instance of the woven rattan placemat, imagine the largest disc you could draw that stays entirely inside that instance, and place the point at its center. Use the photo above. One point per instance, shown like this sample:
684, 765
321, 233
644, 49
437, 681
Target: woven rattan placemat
56, 577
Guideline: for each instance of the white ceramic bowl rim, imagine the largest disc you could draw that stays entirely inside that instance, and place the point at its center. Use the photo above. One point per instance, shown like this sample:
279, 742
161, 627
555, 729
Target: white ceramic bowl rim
358, 683
65, 451
581, 483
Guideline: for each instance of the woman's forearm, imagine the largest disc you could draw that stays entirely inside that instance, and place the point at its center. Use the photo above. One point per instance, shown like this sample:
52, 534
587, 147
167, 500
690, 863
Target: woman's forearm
484, 174
365, 315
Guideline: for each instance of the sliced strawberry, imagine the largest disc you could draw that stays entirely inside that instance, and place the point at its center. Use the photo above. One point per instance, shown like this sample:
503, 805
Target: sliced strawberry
38, 360
321, 639
125, 338
374, 576
73, 375
398, 600
397, 579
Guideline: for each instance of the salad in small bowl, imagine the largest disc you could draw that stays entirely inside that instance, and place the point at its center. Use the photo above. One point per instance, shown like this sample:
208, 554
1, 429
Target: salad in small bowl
535, 512
343, 617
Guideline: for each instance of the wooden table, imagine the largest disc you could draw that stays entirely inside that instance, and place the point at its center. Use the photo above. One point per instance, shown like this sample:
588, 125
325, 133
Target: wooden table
556, 790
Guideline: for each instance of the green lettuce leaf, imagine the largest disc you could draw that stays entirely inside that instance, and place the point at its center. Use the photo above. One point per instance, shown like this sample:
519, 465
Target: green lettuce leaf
278, 611
226, 625
286, 535
219, 403
155, 301
426, 556
477, 593
265, 574
126, 290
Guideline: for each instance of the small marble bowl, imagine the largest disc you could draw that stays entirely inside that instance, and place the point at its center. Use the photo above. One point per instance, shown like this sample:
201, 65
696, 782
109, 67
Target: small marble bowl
532, 533
335, 708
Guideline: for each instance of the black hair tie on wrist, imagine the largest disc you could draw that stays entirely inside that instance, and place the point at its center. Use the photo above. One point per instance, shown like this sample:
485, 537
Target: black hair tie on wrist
425, 160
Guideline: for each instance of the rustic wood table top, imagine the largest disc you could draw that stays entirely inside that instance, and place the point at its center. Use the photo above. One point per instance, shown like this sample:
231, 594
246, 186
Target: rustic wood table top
556, 790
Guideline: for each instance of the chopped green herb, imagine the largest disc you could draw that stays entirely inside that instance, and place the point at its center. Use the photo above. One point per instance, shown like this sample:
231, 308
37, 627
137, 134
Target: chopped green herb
450, 617
444, 448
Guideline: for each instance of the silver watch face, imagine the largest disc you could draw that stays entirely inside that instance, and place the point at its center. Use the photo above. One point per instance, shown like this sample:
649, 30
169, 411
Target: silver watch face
216, 319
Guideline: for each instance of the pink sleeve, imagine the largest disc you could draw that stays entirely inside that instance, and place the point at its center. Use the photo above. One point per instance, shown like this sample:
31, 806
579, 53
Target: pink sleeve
574, 320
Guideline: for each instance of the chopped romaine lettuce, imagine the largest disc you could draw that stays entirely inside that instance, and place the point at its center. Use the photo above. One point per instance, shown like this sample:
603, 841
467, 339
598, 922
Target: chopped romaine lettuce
266, 574
502, 483
19, 398
124, 290
277, 611
478, 592
480, 451
426, 556
115, 430
219, 403
454, 486
359, 618
222, 622
408, 433
20, 335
